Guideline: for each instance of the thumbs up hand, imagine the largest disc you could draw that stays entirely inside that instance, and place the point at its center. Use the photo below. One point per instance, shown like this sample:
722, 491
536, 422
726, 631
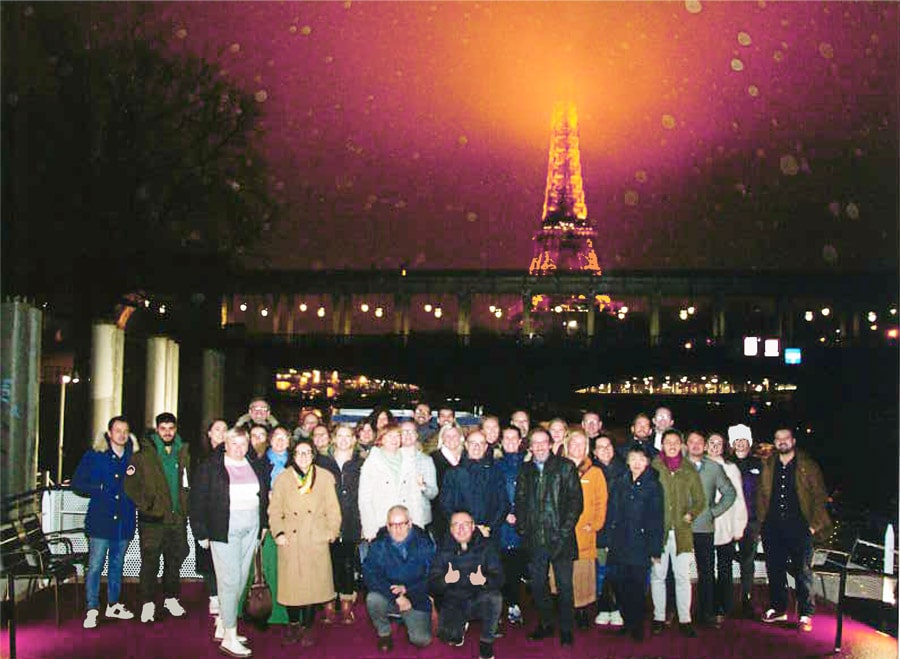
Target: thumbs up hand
477, 578
452, 575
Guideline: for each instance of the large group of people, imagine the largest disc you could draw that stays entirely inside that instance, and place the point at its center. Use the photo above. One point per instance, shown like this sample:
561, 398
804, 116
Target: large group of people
424, 515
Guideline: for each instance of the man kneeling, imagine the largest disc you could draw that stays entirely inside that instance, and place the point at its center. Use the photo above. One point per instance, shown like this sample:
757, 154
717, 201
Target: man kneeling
466, 577
396, 574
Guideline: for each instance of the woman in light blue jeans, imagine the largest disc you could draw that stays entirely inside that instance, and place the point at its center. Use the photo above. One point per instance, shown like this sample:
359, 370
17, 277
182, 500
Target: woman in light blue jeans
229, 501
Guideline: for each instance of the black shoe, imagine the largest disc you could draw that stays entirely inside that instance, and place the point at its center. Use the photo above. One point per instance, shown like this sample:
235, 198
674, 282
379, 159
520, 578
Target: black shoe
540, 633
623, 631
566, 638
687, 629
747, 610
485, 650
637, 633
581, 618
657, 627
385, 644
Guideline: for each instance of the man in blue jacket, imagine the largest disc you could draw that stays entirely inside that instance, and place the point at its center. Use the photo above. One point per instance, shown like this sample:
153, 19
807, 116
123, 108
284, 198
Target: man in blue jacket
110, 518
396, 575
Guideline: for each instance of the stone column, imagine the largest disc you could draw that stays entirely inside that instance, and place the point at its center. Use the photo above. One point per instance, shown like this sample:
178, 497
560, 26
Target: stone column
155, 396
527, 326
654, 304
173, 352
589, 324
107, 360
464, 320
213, 385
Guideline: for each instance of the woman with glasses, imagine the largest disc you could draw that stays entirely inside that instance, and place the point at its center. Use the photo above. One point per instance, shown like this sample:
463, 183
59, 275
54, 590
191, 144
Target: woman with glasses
304, 519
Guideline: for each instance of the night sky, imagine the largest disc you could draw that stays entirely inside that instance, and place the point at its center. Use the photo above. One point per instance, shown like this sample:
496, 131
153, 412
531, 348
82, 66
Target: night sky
713, 134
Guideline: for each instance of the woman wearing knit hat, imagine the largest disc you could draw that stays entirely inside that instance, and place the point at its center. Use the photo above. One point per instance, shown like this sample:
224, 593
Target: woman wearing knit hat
740, 438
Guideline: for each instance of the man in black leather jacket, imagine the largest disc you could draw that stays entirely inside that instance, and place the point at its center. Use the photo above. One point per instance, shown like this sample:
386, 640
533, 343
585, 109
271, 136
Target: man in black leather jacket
548, 504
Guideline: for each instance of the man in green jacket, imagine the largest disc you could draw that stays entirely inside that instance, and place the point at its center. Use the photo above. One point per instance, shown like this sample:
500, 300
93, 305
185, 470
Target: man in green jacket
790, 506
157, 482
684, 502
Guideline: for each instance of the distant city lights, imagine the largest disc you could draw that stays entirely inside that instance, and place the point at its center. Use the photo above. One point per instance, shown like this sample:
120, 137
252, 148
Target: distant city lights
872, 316
379, 312
808, 316
263, 312
826, 311
243, 306
364, 307
303, 307
321, 312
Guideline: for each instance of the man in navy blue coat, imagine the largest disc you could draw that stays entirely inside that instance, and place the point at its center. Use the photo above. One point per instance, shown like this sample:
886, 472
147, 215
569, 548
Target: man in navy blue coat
396, 574
110, 520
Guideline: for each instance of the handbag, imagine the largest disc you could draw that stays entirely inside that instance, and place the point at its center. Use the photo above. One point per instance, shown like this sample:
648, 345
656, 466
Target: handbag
258, 605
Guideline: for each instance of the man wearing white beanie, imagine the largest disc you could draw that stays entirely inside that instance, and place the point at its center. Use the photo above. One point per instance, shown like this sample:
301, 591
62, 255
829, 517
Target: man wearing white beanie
740, 438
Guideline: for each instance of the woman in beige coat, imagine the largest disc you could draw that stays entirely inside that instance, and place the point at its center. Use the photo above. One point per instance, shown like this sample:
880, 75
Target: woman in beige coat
304, 518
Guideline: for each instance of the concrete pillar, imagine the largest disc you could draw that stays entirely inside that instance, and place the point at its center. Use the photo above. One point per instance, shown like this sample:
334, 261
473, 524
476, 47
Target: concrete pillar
527, 326
157, 379
173, 351
654, 305
401, 315
464, 320
107, 361
855, 325
289, 312
589, 324
340, 316
213, 385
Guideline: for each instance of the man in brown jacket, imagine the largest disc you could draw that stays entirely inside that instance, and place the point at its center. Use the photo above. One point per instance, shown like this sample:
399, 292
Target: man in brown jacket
791, 509
157, 481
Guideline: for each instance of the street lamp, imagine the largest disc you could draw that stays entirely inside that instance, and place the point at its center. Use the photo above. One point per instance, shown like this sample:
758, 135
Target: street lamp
64, 381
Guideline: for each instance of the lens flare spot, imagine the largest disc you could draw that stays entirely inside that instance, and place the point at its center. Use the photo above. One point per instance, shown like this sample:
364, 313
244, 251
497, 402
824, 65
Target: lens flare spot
693, 6
261, 96
471, 216
753, 90
668, 121
234, 48
181, 33
306, 30
835, 208
737, 65
826, 50
640, 176
778, 56
631, 198
852, 211
789, 165
830, 253
462, 140
744, 39
292, 29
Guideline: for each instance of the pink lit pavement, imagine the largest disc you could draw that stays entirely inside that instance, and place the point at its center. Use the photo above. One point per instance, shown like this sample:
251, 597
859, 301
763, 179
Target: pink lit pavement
191, 636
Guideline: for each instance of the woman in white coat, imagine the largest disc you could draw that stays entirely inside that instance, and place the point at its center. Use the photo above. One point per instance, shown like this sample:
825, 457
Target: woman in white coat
729, 528
387, 478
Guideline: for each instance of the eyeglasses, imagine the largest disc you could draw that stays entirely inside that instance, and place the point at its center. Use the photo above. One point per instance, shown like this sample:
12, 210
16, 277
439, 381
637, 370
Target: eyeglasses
398, 525
303, 454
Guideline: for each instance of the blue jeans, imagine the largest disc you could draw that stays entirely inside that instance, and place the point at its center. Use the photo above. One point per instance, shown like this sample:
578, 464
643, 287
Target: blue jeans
97, 550
418, 623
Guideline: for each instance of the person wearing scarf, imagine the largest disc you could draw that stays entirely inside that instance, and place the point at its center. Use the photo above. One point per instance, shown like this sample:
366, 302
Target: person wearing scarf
685, 501
277, 457
304, 519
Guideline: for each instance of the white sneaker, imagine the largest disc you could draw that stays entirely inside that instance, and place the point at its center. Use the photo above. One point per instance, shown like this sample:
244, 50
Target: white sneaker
774, 616
173, 606
232, 646
213, 605
602, 618
615, 619
90, 619
219, 633
118, 611
148, 612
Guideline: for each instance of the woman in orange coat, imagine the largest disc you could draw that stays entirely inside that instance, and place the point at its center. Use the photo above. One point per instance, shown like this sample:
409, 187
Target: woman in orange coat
593, 516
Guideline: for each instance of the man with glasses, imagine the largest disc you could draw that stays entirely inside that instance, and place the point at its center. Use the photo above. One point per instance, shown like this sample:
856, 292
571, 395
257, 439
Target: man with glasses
467, 576
548, 504
662, 421
258, 413
395, 571
477, 486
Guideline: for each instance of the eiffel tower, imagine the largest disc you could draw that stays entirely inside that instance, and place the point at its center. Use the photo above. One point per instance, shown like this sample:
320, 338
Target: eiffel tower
566, 238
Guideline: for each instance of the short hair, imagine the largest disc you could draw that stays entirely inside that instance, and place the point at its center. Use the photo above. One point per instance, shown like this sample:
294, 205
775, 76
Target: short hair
116, 419
257, 399
237, 432
512, 428
641, 415
637, 448
535, 431
673, 431
304, 441
694, 431
165, 417
446, 428
389, 428
398, 508
282, 428
486, 418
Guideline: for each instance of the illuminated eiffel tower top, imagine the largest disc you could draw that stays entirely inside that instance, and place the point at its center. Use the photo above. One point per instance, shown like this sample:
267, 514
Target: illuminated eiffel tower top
564, 196
566, 238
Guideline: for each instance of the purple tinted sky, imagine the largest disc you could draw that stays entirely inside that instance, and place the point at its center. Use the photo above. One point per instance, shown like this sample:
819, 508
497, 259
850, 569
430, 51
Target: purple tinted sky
751, 134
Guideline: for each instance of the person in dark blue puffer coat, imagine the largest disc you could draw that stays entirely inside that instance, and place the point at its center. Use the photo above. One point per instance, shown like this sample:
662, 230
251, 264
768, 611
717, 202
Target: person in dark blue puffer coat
635, 533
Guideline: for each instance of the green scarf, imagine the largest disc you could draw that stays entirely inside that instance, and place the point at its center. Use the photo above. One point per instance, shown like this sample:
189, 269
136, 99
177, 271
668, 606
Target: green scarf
169, 462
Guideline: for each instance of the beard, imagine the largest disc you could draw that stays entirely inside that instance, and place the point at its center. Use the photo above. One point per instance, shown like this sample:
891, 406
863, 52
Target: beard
784, 448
